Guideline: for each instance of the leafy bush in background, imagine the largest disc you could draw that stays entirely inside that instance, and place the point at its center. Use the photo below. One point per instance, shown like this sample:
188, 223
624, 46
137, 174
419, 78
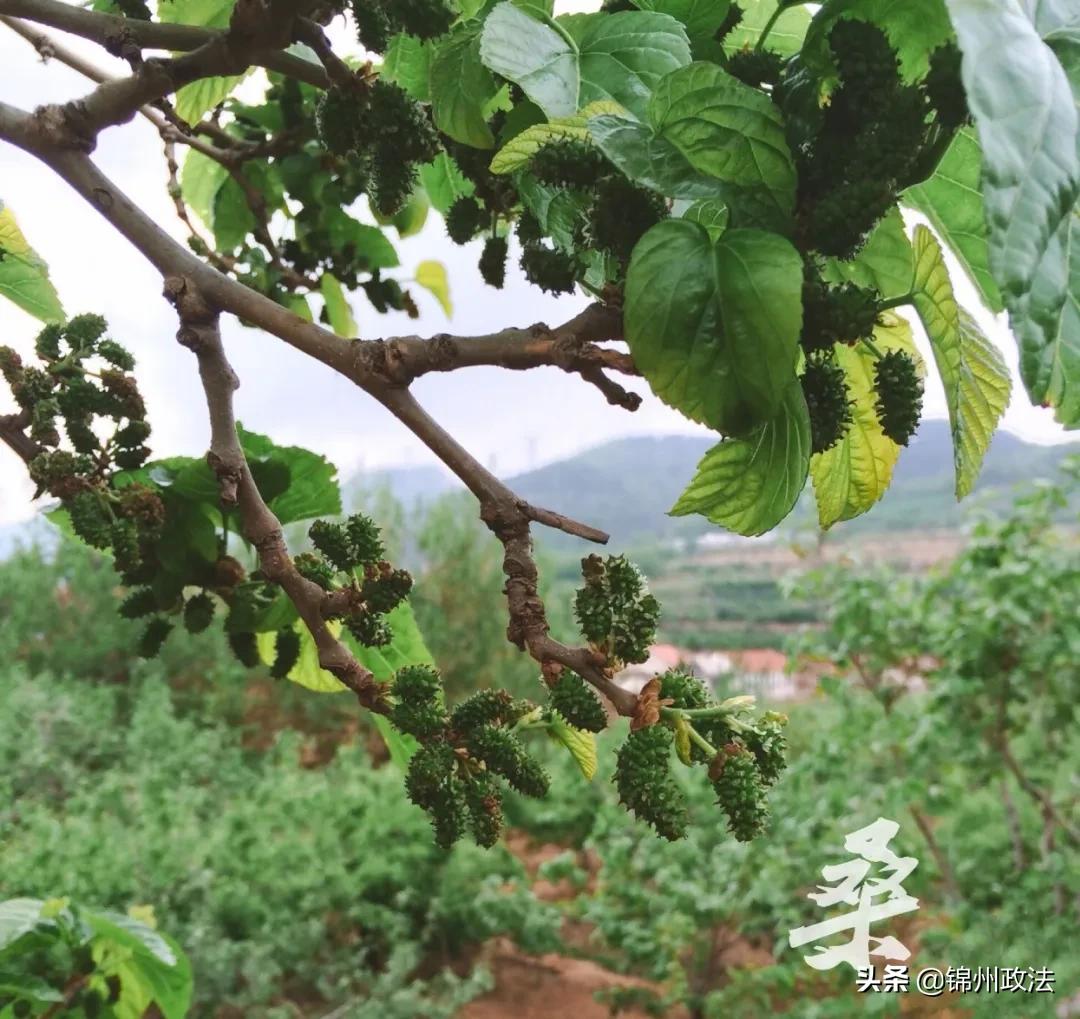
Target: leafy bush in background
279, 881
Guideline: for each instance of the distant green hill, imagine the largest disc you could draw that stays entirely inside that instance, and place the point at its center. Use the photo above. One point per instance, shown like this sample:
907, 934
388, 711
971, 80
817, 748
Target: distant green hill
627, 486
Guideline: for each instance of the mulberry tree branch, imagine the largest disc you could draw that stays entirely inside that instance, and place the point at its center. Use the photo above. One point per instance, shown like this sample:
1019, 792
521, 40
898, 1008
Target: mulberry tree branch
365, 363
200, 333
126, 36
13, 435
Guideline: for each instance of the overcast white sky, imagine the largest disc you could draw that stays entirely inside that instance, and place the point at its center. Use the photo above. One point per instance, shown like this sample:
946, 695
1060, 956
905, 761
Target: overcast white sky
511, 420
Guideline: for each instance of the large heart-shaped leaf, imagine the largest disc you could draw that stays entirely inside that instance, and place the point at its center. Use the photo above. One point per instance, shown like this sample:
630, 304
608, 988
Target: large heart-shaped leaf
714, 325
972, 370
854, 474
564, 66
708, 136
749, 485
952, 201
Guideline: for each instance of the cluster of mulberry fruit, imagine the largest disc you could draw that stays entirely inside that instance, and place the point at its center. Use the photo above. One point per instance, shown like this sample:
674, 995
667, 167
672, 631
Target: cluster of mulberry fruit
349, 559
869, 141
614, 609
743, 760
378, 21
465, 755
382, 132
82, 389
835, 313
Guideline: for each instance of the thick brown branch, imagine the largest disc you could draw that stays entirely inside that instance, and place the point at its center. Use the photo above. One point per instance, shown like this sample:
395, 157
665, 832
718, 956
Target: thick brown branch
571, 347
118, 34
505, 514
200, 333
13, 434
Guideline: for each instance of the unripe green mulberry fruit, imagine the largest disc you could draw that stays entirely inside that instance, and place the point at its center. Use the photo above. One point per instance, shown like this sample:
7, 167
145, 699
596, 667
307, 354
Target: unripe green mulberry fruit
945, 89
899, 395
448, 817
153, 637
419, 710
483, 799
373, 25
592, 609
286, 652
572, 698
369, 629
83, 332
827, 401
245, 647
132, 435
768, 743
124, 539
621, 212
198, 612
634, 629
740, 793
643, 778
552, 271
332, 541
47, 344
316, 569
336, 117
755, 67
731, 21
464, 219
569, 164
365, 540
90, 520
129, 459
430, 774
505, 755
117, 356
140, 602
493, 262
484, 707
386, 591
683, 689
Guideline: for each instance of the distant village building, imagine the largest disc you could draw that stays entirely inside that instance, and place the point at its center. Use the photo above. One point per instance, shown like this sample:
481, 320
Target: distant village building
758, 671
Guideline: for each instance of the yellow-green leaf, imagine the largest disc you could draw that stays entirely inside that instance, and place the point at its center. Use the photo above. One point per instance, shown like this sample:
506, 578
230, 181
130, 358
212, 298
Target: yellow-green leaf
854, 474
973, 372
307, 671
432, 277
337, 307
521, 148
200, 97
749, 485
682, 740
24, 275
582, 745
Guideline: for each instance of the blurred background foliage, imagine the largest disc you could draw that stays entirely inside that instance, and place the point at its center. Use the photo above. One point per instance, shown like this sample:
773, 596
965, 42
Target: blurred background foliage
269, 833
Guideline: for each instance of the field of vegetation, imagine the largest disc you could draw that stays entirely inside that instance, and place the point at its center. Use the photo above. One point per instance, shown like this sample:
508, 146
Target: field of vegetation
263, 827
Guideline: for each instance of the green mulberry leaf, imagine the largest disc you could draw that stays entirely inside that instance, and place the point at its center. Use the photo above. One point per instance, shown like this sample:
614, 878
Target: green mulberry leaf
714, 325
973, 372
749, 485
